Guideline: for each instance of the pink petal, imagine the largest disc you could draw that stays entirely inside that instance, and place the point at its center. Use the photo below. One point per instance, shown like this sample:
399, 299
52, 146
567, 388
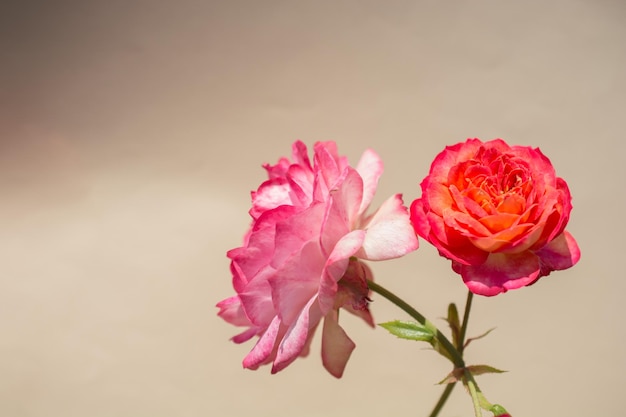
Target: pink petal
370, 168
295, 232
562, 253
540, 163
326, 163
389, 232
297, 282
262, 351
307, 346
296, 337
270, 194
450, 156
500, 273
336, 266
419, 219
279, 170
336, 345
300, 154
245, 335
342, 213
301, 184
231, 311
257, 302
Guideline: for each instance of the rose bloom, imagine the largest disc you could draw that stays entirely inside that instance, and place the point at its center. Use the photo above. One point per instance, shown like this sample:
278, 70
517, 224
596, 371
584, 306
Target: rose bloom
498, 212
300, 261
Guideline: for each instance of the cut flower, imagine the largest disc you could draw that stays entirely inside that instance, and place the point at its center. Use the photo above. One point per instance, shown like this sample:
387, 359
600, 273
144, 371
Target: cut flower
498, 213
301, 258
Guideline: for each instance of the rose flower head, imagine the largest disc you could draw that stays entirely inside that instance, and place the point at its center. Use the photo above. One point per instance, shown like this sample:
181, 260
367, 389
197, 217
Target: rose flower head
498, 212
300, 262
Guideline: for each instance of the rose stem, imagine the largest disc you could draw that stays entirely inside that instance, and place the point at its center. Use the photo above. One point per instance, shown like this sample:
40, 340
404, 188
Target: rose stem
454, 353
461, 342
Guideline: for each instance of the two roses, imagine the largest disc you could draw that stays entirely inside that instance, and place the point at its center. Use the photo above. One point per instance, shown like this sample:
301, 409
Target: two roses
497, 212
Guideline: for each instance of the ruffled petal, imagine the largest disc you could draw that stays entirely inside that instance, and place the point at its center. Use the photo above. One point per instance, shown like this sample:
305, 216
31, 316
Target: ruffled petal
293, 285
370, 168
389, 232
341, 216
271, 194
295, 339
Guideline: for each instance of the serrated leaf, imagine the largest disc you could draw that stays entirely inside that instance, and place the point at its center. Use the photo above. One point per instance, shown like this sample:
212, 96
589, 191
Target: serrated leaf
454, 323
484, 369
478, 337
408, 330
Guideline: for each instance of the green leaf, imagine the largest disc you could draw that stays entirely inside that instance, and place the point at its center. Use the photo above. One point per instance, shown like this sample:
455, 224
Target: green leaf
483, 369
408, 330
455, 324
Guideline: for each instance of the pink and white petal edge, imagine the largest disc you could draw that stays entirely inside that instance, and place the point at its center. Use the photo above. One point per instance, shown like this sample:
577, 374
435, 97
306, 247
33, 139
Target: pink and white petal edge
500, 273
295, 339
561, 253
389, 232
370, 168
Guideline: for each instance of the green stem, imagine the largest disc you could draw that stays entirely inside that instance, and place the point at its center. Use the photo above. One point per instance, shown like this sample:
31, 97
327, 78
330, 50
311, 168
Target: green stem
468, 307
442, 400
461, 342
468, 377
471, 386
456, 357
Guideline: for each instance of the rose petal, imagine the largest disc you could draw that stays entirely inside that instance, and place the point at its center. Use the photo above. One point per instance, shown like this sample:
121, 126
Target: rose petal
389, 232
295, 339
294, 232
419, 219
561, 253
437, 197
452, 244
500, 273
370, 168
336, 266
300, 155
262, 351
231, 311
503, 239
293, 285
341, 215
326, 163
271, 194
336, 345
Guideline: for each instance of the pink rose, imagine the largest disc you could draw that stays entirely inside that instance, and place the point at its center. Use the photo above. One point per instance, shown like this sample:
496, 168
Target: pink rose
498, 212
300, 261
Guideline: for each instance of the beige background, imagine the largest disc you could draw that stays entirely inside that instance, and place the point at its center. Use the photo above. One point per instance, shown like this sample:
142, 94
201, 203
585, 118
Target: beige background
132, 133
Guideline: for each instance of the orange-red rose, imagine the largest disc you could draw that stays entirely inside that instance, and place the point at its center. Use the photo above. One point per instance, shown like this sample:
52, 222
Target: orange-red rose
498, 212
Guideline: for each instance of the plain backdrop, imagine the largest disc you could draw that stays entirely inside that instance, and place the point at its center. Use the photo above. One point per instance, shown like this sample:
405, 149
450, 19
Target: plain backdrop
132, 132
